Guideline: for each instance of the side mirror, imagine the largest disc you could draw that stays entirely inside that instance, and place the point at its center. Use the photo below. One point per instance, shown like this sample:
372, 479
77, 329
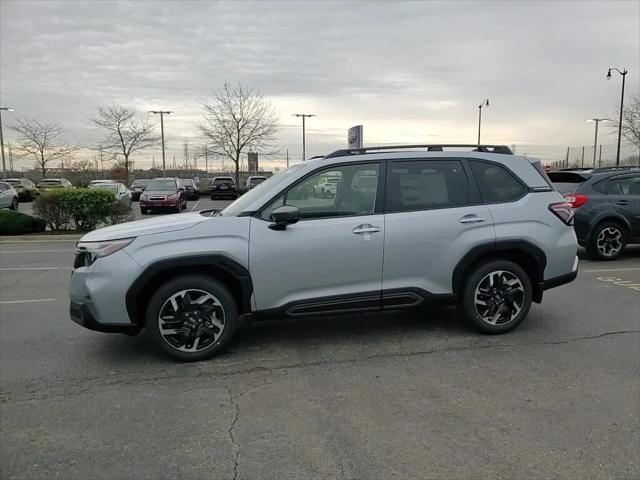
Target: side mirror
283, 216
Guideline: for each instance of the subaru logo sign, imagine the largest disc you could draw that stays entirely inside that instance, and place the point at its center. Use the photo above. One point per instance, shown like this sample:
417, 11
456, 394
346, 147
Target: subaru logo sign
354, 137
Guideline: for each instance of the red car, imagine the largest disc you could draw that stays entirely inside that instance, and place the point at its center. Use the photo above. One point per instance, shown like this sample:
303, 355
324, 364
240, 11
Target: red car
163, 194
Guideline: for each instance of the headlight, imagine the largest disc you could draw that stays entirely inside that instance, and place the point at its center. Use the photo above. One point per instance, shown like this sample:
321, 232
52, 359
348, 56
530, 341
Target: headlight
172, 196
94, 250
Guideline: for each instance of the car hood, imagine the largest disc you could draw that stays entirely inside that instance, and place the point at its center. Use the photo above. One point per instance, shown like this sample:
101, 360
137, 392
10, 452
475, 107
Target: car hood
162, 224
160, 192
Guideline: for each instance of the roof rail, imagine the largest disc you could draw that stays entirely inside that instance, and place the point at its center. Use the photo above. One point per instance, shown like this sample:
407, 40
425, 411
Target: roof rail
430, 148
614, 168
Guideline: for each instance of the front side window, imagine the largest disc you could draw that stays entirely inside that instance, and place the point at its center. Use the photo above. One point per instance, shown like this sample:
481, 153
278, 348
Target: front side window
425, 184
496, 184
629, 185
346, 190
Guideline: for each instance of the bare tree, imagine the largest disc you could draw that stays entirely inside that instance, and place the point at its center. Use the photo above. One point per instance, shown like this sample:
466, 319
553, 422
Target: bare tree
41, 141
630, 121
126, 132
238, 119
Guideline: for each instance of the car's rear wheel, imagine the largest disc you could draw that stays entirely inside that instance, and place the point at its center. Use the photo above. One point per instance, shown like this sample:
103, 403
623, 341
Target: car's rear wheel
607, 241
192, 317
14, 204
496, 296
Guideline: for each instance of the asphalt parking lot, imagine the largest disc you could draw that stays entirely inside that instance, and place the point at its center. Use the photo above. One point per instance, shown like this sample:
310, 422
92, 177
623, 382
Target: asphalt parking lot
402, 395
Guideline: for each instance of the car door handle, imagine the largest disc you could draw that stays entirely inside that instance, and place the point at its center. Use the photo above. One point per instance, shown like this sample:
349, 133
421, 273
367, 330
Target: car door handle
471, 219
622, 202
365, 228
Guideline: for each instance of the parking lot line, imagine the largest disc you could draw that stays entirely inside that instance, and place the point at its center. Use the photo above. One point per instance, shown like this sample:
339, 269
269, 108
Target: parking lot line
33, 268
35, 300
194, 207
614, 270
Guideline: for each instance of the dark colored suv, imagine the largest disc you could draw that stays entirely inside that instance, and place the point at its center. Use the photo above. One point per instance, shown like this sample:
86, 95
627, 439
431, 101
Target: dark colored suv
163, 194
223, 187
191, 189
137, 187
606, 202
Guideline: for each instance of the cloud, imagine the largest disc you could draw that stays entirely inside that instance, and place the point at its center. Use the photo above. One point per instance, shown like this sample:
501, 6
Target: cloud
408, 71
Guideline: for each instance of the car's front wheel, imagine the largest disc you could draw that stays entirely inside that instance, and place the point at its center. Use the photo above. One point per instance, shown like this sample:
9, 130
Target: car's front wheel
192, 317
143, 211
496, 296
607, 241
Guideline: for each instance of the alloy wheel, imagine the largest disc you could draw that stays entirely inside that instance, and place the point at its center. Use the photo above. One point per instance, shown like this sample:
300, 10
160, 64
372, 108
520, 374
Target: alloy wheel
499, 297
191, 320
609, 242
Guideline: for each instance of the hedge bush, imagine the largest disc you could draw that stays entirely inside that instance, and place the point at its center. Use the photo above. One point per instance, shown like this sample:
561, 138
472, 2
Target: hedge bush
78, 209
14, 223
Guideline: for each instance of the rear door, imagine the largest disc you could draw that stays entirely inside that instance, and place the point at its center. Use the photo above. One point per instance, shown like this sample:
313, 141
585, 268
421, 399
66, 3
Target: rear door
6, 195
433, 217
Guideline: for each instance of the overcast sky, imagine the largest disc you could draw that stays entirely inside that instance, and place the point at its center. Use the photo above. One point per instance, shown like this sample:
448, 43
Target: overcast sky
408, 71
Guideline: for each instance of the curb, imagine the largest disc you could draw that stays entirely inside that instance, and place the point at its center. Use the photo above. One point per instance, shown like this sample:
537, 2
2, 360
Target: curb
40, 238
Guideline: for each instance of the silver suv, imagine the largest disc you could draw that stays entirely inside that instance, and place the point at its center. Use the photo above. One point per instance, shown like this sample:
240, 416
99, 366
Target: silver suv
405, 226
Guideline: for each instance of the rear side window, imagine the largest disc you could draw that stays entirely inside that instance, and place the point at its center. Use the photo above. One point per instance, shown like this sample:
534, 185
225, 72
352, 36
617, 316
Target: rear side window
425, 184
619, 186
497, 184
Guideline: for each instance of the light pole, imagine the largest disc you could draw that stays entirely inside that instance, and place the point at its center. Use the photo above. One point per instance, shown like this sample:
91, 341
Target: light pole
4, 164
162, 113
595, 138
624, 76
485, 102
304, 116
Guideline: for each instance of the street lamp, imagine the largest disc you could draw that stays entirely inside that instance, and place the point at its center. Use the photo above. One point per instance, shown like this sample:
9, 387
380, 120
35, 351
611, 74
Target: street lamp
4, 165
304, 116
162, 113
595, 139
484, 103
624, 75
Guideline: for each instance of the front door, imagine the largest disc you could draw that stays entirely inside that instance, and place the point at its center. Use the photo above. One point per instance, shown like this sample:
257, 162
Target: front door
330, 260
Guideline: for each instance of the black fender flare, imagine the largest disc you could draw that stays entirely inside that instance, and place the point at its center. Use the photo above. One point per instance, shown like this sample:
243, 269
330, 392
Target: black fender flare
479, 251
608, 215
214, 264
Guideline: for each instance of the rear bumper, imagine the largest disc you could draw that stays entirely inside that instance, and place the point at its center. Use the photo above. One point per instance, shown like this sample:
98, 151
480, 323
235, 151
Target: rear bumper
561, 279
82, 315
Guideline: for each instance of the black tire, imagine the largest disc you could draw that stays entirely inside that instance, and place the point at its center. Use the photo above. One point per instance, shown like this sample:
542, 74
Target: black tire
14, 204
212, 197
143, 211
199, 283
602, 244
476, 278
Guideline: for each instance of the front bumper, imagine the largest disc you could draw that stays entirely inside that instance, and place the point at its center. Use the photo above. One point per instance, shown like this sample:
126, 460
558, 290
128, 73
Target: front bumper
158, 205
82, 314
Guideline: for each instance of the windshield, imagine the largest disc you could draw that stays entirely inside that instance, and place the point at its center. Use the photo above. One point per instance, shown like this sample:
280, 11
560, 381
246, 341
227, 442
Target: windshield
256, 181
188, 182
140, 183
112, 187
13, 182
161, 185
239, 206
51, 182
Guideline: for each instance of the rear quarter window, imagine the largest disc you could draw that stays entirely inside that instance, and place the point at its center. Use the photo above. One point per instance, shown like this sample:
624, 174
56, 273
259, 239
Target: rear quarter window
497, 184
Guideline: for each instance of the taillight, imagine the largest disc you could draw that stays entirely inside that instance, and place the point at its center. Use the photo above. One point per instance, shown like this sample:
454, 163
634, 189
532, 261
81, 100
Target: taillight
563, 210
576, 200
